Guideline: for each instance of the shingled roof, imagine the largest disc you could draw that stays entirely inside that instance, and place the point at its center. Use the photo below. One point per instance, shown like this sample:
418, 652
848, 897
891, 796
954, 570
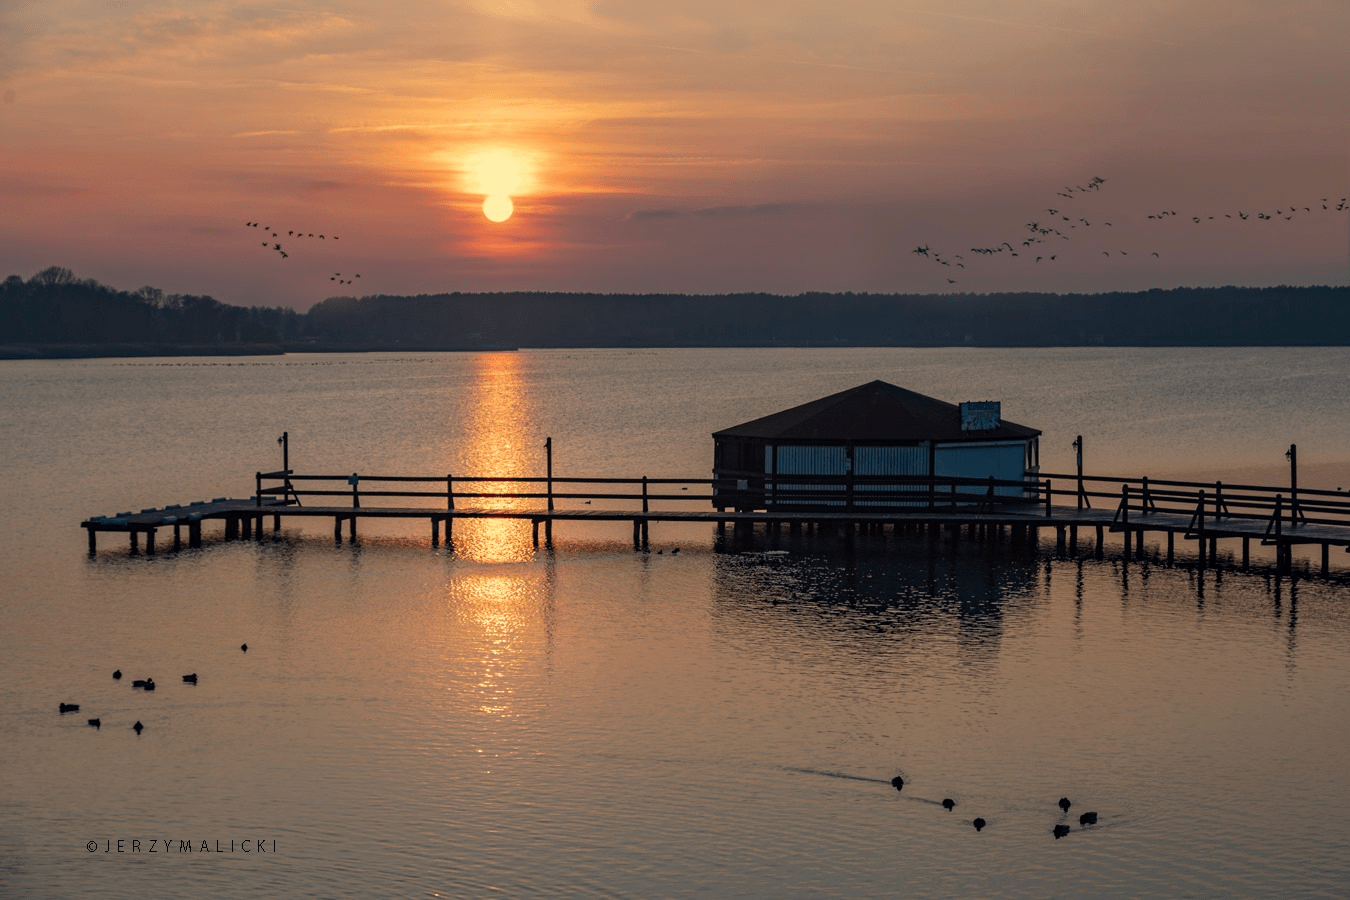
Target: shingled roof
876, 411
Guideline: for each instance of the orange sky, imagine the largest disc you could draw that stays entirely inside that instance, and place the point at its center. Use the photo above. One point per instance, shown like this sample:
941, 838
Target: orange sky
674, 146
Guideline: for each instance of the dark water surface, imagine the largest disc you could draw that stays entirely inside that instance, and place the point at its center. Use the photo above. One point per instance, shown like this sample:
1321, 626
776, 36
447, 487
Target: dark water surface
588, 721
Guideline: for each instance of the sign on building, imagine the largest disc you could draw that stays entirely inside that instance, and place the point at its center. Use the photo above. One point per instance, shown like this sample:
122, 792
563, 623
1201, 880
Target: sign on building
980, 416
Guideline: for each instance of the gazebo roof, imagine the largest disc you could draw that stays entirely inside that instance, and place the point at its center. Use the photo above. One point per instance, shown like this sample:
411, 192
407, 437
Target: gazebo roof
875, 412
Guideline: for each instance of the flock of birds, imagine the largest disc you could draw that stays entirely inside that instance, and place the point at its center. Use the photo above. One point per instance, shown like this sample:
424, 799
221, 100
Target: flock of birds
144, 684
1044, 233
1060, 830
274, 246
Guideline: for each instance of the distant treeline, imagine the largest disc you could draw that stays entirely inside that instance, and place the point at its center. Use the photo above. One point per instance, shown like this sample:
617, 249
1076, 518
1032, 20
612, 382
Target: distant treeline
55, 309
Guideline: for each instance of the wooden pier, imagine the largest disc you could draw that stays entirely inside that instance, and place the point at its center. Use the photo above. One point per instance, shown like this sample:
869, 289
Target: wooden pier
1203, 513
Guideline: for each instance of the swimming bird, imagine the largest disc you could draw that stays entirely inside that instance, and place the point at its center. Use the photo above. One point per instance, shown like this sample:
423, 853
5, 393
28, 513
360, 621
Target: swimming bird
138, 727
898, 783
138, 683
244, 647
97, 723
1088, 818
948, 804
979, 824
676, 550
1061, 830
149, 684
1064, 803
190, 679
70, 707
117, 675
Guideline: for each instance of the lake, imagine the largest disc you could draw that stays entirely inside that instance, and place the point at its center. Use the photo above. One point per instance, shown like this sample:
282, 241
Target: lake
494, 719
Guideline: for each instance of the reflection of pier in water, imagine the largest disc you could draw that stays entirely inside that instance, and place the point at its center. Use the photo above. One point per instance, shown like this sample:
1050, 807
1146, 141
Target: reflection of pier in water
877, 585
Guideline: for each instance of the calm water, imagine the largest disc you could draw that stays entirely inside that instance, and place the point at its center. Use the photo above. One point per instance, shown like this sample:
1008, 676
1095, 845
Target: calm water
496, 720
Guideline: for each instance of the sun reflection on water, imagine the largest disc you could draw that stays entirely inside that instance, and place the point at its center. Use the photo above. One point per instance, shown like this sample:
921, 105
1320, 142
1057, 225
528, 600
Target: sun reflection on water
499, 439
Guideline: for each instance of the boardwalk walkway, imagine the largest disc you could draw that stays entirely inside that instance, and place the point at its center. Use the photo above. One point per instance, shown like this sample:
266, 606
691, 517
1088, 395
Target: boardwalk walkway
1201, 513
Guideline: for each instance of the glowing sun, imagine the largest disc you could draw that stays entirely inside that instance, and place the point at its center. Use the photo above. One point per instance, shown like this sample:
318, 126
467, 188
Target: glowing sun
498, 207
498, 173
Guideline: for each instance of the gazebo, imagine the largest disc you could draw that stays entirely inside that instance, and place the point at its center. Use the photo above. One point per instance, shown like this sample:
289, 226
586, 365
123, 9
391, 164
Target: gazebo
875, 438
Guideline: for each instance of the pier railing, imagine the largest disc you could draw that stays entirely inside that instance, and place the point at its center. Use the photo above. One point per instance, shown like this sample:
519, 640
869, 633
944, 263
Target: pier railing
1209, 504
786, 493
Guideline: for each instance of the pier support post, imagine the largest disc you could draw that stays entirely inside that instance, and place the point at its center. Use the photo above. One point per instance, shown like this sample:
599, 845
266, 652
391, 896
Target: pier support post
1059, 538
435, 533
276, 523
1073, 539
1139, 543
150, 541
195, 533
534, 533
258, 528
1326, 559
1100, 551
337, 529
135, 542
177, 536
246, 526
93, 541
637, 534
351, 529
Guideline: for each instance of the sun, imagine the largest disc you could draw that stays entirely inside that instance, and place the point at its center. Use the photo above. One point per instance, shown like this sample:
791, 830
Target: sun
498, 207
497, 173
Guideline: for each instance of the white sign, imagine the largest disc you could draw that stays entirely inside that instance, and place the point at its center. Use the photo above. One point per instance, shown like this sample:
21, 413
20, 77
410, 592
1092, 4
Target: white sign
981, 416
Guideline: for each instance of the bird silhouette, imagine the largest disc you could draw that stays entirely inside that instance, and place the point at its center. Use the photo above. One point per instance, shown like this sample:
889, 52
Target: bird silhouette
1060, 831
97, 723
138, 727
949, 804
1088, 818
1064, 803
190, 679
898, 783
117, 675
979, 824
69, 707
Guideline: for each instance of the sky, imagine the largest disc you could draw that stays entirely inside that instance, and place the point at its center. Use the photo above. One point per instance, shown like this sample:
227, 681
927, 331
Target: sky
694, 146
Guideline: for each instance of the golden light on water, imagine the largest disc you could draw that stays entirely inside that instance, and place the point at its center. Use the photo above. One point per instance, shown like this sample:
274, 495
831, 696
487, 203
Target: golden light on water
499, 442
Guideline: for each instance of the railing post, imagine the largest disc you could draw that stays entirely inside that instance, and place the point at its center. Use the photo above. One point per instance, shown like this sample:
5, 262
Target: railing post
257, 489
1048, 497
449, 492
1125, 506
1078, 447
1218, 500
1146, 499
644, 493
548, 452
1200, 525
356, 496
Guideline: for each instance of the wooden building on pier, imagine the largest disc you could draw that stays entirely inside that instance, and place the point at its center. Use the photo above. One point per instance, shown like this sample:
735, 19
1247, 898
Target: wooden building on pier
875, 439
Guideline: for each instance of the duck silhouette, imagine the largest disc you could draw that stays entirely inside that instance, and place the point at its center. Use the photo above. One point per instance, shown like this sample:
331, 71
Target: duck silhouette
1088, 818
1060, 831
117, 675
138, 727
190, 679
898, 783
949, 804
979, 824
1064, 803
97, 723
70, 707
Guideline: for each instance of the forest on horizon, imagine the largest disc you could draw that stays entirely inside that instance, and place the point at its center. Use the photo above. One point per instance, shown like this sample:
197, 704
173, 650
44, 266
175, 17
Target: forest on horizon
55, 314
